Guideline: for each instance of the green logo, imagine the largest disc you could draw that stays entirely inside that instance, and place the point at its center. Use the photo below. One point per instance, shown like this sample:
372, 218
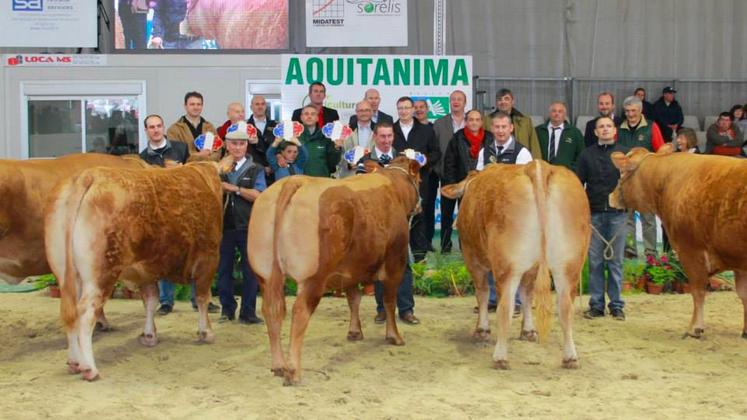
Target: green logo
438, 106
369, 8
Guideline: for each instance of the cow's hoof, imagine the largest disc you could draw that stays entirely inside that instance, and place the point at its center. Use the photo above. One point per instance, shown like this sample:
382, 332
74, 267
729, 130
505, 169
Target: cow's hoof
355, 335
90, 375
501, 365
696, 333
278, 371
148, 340
528, 336
102, 327
744, 335
73, 367
481, 334
205, 337
291, 378
570, 363
395, 341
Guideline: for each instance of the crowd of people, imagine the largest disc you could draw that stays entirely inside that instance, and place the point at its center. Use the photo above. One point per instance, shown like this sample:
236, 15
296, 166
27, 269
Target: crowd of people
454, 145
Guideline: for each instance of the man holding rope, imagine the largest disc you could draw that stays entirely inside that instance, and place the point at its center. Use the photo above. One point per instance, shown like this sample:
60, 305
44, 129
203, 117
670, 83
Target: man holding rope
599, 176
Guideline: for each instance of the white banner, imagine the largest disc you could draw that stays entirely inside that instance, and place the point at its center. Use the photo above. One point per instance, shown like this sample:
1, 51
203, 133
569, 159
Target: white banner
356, 23
48, 23
57, 60
348, 76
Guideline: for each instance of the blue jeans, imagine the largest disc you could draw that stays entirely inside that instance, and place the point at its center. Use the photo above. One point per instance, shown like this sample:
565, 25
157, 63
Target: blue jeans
166, 292
493, 296
405, 299
231, 240
608, 224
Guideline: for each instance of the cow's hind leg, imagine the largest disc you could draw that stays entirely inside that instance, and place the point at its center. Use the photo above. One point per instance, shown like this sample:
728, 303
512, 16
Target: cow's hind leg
203, 278
310, 293
102, 324
354, 301
482, 292
697, 276
526, 292
506, 282
91, 300
740, 278
565, 282
149, 293
394, 271
273, 308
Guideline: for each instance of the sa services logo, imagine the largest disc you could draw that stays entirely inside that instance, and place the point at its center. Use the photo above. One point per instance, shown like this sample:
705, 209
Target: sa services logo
28, 5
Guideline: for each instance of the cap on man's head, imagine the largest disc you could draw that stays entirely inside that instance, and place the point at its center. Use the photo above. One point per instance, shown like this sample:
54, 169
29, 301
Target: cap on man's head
237, 131
668, 89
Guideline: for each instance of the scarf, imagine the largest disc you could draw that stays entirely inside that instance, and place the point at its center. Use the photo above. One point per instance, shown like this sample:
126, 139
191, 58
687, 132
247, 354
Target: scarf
475, 141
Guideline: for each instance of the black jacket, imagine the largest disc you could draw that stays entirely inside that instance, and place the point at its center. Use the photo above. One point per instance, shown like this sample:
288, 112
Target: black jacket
330, 115
383, 116
237, 210
265, 140
589, 136
422, 139
457, 160
174, 150
665, 115
595, 170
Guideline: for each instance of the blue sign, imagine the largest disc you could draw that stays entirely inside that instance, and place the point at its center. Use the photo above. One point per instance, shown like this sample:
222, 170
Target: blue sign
28, 5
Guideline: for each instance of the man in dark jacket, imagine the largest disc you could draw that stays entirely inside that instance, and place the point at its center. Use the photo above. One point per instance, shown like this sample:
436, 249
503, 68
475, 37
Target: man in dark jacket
241, 187
374, 99
264, 126
410, 134
561, 143
599, 176
668, 113
648, 107
161, 151
606, 108
317, 93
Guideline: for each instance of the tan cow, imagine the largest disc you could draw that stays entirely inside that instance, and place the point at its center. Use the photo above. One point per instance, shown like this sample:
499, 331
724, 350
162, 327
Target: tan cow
330, 233
701, 200
139, 225
241, 24
522, 222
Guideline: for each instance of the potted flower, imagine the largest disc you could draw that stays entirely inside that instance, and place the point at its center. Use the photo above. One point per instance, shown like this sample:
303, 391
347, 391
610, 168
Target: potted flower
660, 274
633, 272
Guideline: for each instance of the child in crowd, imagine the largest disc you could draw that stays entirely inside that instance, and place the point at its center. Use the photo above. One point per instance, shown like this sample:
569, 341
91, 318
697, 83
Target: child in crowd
286, 157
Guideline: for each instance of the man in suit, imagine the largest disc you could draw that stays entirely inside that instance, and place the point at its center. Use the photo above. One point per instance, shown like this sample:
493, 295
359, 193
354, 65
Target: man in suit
264, 126
362, 136
445, 127
606, 108
317, 93
374, 99
561, 143
523, 130
410, 134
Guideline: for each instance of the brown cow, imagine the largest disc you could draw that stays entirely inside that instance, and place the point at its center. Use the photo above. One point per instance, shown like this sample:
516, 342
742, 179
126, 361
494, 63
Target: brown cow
241, 24
522, 222
701, 200
139, 225
330, 233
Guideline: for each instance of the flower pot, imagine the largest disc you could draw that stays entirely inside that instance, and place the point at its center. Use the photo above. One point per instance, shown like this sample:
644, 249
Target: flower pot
653, 288
54, 291
627, 286
641, 283
677, 287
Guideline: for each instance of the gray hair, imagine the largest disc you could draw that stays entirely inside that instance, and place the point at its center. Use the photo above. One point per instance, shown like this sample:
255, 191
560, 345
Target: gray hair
633, 100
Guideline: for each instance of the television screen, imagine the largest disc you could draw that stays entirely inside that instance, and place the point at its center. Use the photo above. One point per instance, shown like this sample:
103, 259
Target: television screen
201, 24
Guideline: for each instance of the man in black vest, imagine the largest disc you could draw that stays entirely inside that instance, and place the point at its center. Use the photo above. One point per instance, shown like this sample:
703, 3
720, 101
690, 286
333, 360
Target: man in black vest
241, 187
410, 134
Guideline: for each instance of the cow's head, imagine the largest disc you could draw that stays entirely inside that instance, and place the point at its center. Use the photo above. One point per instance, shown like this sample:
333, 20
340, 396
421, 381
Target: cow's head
455, 191
411, 167
629, 191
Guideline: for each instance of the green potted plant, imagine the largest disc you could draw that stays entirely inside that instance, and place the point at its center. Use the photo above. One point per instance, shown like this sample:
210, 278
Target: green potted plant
50, 281
633, 272
660, 274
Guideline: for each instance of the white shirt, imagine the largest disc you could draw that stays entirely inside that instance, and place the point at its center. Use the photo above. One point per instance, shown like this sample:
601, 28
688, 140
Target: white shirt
379, 153
406, 128
260, 124
364, 134
522, 158
239, 163
156, 146
456, 127
558, 133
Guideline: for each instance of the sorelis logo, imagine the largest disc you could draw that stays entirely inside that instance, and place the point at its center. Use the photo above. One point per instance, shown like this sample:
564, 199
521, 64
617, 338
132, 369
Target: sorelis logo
28, 5
14, 61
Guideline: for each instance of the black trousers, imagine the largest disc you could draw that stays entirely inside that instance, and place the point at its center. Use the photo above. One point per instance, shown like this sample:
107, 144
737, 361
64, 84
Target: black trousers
447, 221
429, 205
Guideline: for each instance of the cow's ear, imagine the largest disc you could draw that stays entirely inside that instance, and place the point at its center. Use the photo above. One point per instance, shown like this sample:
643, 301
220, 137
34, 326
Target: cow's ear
665, 149
620, 160
414, 167
452, 191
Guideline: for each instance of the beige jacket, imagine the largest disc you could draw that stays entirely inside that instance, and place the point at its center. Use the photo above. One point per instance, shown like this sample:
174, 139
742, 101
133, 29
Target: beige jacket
179, 131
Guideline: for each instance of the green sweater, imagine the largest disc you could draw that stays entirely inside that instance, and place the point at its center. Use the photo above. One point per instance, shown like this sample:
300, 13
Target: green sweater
571, 145
322, 155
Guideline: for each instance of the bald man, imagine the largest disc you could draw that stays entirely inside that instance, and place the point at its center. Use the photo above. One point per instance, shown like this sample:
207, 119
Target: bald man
374, 99
261, 120
235, 113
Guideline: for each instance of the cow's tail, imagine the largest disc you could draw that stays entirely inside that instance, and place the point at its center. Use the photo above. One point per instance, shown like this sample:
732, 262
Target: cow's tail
539, 172
70, 199
276, 285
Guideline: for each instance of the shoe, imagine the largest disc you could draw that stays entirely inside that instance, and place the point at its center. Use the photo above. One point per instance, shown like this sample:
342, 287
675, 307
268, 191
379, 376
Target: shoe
226, 318
165, 309
491, 308
593, 313
212, 308
618, 314
380, 318
248, 320
410, 318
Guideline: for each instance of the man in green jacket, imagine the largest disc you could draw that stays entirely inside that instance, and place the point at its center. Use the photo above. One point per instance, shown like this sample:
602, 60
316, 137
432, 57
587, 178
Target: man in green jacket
523, 128
560, 142
323, 153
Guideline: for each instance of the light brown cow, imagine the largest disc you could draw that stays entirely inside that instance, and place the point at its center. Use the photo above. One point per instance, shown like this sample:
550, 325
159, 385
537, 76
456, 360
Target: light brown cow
701, 200
241, 24
139, 225
522, 222
330, 234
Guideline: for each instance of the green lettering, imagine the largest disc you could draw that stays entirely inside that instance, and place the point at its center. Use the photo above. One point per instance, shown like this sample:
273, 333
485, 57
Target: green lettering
314, 74
294, 74
460, 73
401, 71
381, 73
416, 76
331, 78
433, 73
364, 62
351, 72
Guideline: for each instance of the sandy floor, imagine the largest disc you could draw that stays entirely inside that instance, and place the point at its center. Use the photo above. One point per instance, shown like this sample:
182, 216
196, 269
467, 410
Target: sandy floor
640, 368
